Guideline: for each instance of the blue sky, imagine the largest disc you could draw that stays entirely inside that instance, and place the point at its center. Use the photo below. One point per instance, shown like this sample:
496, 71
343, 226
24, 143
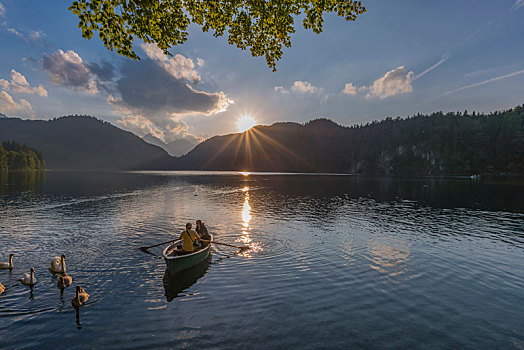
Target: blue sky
398, 59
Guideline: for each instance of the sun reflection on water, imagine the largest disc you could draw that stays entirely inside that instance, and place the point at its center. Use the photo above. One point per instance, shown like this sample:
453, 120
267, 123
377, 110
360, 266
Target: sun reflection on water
246, 219
390, 257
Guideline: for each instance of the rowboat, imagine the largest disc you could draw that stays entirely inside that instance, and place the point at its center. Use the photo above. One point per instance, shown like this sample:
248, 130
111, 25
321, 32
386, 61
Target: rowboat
176, 263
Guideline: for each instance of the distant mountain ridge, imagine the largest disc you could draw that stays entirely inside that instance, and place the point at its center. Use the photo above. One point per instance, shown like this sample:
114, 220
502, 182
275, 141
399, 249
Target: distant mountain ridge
175, 148
436, 144
83, 142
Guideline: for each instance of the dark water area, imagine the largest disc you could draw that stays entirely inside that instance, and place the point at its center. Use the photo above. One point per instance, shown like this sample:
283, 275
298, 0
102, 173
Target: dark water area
337, 262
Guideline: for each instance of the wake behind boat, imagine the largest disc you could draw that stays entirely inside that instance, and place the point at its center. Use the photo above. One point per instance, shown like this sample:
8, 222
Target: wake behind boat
176, 263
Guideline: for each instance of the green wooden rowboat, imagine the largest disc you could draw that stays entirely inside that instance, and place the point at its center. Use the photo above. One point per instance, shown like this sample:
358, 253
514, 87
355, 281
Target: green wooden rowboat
176, 263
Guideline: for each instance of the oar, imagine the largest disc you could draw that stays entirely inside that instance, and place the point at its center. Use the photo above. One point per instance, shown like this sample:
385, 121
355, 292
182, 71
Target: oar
229, 245
156, 245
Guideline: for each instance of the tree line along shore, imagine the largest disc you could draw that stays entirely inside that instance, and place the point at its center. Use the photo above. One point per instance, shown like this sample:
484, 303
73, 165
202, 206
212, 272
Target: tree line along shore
16, 156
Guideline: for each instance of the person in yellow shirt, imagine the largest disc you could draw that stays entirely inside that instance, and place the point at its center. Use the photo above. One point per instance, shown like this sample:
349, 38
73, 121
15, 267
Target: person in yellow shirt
190, 239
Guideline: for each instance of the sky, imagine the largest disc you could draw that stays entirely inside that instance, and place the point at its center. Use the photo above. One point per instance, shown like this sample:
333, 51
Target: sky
399, 58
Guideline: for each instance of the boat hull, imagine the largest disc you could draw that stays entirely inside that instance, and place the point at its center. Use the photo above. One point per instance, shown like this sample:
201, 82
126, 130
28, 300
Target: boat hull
176, 264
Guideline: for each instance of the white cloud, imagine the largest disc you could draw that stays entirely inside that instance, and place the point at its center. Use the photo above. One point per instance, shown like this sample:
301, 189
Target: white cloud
19, 84
8, 105
140, 126
484, 82
200, 62
394, 82
178, 66
67, 69
303, 87
518, 4
2, 9
444, 58
15, 32
281, 89
349, 89
36, 37
169, 130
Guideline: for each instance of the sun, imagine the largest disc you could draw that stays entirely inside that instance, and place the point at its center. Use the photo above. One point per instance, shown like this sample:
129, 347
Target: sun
245, 123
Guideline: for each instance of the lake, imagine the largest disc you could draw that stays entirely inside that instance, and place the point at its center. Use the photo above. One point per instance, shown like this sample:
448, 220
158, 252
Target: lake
337, 262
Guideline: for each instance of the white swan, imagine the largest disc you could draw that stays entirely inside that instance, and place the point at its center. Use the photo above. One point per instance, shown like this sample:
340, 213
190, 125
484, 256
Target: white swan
29, 278
80, 298
7, 265
58, 264
2, 288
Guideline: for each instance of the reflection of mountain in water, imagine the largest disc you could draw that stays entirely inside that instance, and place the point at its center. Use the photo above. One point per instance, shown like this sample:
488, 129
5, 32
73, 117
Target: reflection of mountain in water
184, 279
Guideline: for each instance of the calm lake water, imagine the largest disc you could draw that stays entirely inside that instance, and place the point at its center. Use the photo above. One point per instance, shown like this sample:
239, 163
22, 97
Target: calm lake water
338, 262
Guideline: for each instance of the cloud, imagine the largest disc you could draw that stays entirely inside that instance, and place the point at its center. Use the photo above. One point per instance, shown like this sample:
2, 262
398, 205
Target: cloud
394, 82
281, 89
36, 37
484, 82
15, 32
303, 87
8, 105
146, 88
300, 87
68, 70
170, 130
104, 70
19, 84
518, 4
349, 89
200, 62
152, 99
178, 66
140, 126
2, 10
444, 58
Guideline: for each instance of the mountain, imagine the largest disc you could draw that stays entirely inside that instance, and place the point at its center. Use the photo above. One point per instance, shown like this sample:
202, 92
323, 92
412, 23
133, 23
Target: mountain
175, 148
436, 144
149, 138
289, 147
179, 147
82, 142
2, 116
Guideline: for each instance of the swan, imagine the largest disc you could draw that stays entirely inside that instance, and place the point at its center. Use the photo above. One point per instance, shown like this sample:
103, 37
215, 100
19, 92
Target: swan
7, 265
58, 264
29, 278
80, 297
2, 288
83, 295
64, 281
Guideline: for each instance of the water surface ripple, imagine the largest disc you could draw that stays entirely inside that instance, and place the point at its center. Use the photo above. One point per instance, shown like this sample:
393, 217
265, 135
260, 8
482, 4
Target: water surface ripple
336, 262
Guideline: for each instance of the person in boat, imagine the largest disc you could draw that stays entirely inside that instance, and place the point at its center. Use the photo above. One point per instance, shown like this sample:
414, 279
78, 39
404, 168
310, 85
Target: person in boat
202, 232
190, 240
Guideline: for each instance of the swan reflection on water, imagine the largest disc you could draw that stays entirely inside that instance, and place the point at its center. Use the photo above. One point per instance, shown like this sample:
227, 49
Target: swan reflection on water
175, 284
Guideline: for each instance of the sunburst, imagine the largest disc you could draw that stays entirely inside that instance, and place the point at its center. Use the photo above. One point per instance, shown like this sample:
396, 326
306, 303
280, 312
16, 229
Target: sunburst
245, 122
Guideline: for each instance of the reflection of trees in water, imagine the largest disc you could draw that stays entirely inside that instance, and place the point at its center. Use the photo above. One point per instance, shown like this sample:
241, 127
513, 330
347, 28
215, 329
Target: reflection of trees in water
175, 284
22, 181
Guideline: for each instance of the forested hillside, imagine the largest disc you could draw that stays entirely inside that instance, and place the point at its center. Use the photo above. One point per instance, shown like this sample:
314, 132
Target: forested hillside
14, 156
83, 142
436, 144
